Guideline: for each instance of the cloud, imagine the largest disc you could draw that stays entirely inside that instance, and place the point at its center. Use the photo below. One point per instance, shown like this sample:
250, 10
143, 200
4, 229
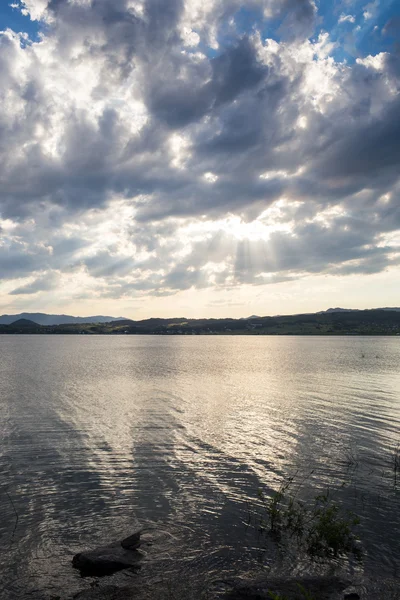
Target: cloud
347, 18
149, 147
36, 9
371, 10
46, 282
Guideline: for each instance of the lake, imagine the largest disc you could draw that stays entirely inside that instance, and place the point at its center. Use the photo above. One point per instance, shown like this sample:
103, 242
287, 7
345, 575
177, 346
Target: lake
180, 433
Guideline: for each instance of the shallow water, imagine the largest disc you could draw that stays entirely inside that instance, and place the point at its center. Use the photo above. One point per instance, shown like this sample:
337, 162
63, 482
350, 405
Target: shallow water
179, 433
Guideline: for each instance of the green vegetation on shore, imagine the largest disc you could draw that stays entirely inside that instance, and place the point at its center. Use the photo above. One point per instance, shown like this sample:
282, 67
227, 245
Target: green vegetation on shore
363, 322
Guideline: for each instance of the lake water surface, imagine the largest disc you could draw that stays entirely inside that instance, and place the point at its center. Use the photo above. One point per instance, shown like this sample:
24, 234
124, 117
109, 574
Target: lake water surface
179, 433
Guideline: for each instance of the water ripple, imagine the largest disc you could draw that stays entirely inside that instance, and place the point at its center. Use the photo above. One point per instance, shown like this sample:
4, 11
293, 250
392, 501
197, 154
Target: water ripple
99, 432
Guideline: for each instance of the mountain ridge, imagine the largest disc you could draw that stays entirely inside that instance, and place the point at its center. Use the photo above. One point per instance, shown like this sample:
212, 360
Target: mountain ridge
48, 319
51, 319
363, 322
338, 309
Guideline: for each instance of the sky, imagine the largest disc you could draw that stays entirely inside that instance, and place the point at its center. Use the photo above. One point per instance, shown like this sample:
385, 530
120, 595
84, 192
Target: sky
199, 158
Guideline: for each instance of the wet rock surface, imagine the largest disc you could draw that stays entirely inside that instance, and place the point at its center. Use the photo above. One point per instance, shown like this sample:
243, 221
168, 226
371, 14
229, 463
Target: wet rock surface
132, 542
109, 559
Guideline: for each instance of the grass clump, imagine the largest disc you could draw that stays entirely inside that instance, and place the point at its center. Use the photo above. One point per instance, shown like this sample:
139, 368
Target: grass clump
317, 528
331, 533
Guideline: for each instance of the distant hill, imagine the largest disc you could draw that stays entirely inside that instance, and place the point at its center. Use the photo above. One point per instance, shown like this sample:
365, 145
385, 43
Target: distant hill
44, 319
338, 310
342, 322
21, 323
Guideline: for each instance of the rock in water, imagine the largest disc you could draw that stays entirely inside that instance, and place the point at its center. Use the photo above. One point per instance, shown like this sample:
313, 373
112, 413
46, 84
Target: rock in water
132, 542
110, 559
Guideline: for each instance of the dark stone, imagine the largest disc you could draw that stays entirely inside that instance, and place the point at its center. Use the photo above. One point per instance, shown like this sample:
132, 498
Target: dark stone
108, 559
132, 542
352, 596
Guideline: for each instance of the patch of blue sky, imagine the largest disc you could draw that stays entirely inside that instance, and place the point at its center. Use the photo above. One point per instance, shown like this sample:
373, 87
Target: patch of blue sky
204, 49
344, 36
328, 16
375, 34
342, 55
11, 17
340, 30
246, 22
249, 20
363, 32
359, 28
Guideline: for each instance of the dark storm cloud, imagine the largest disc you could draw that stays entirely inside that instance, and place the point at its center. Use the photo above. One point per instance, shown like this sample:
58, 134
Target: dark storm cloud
228, 195
372, 151
236, 71
183, 92
116, 104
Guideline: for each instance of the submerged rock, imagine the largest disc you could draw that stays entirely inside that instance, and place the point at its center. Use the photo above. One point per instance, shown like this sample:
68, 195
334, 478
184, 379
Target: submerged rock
107, 560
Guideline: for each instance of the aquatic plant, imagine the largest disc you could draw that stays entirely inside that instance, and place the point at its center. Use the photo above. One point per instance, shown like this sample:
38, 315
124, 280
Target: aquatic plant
331, 533
320, 528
